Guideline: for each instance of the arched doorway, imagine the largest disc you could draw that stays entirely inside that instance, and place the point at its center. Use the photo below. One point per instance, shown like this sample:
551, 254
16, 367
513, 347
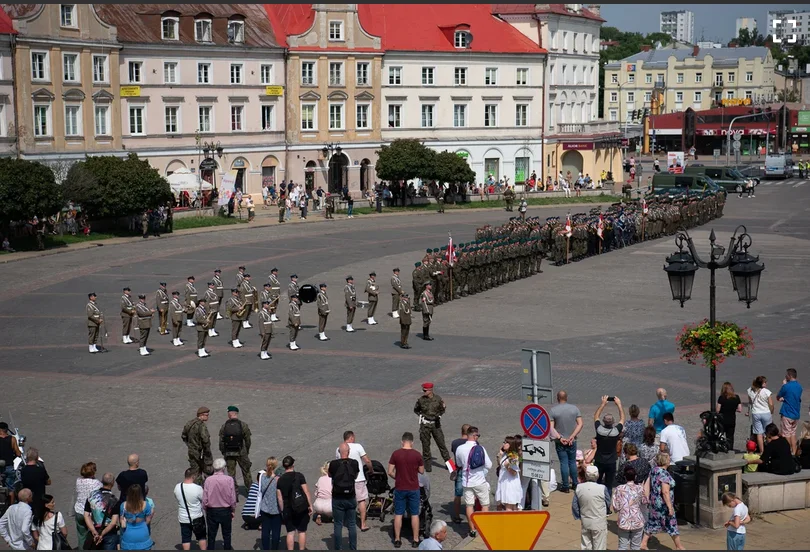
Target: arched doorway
338, 172
364, 175
240, 165
269, 165
309, 175
571, 161
174, 166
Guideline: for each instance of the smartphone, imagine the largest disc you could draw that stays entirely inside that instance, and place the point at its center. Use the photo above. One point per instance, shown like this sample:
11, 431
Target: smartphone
611, 399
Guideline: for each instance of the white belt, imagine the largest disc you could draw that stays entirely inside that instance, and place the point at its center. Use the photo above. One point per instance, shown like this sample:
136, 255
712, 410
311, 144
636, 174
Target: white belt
179, 312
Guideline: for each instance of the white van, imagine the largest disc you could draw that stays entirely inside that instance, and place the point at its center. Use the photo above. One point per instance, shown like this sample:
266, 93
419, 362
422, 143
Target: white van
779, 166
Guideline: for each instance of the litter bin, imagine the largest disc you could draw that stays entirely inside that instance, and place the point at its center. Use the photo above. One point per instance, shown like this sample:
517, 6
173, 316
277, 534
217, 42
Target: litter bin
685, 476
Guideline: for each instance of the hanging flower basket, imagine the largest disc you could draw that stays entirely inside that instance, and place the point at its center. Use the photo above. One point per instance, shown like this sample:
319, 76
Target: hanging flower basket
714, 344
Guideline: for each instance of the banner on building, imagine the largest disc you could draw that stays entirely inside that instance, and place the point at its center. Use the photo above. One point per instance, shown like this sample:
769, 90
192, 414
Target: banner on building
675, 162
226, 187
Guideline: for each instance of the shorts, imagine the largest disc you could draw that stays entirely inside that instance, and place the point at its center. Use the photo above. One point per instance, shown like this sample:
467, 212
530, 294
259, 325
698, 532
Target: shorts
406, 500
789, 427
481, 492
11, 478
459, 486
360, 491
759, 422
197, 526
296, 522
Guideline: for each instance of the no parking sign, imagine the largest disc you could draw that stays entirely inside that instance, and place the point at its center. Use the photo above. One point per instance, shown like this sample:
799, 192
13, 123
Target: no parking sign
535, 421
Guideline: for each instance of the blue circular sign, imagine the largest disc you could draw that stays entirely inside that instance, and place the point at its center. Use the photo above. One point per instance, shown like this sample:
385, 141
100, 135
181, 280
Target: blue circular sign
535, 421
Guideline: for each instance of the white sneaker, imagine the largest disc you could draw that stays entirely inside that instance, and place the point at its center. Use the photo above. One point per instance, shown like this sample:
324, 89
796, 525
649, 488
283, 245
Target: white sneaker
264, 355
93, 349
202, 353
395, 314
124, 340
273, 318
293, 346
144, 352
371, 321
349, 328
323, 337
246, 324
219, 316
212, 333
189, 323
236, 344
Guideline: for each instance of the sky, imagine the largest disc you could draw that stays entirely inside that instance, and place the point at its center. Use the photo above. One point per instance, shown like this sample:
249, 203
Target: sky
715, 22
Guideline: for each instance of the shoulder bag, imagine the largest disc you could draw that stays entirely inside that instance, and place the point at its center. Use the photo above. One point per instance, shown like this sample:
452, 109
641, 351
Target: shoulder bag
197, 525
58, 540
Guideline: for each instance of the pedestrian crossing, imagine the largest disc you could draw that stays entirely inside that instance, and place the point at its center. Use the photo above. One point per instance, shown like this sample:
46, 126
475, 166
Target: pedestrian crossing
788, 182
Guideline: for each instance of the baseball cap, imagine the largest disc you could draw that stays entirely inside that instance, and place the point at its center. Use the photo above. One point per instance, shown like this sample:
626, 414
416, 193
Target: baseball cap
750, 446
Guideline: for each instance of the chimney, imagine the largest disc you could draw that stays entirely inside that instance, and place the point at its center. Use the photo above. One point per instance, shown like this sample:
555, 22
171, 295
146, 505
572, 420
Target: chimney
595, 9
695, 50
646, 48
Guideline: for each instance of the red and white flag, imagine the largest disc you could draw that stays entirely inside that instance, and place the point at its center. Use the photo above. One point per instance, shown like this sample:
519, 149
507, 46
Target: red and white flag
568, 225
451, 252
450, 465
600, 228
643, 206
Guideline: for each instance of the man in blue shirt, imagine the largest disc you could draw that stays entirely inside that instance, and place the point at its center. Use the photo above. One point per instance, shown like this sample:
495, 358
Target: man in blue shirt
657, 410
790, 396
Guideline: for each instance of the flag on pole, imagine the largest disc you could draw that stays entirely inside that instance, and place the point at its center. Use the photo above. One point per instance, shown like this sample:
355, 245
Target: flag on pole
643, 206
600, 228
451, 252
568, 225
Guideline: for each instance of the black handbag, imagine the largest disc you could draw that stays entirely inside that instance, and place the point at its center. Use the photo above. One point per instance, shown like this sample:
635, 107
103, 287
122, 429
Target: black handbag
59, 541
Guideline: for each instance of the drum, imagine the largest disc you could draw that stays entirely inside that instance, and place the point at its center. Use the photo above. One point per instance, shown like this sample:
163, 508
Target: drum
308, 293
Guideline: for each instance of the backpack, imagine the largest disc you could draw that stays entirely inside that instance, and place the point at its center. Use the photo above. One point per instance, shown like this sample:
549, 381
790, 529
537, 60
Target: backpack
342, 481
477, 458
299, 503
232, 435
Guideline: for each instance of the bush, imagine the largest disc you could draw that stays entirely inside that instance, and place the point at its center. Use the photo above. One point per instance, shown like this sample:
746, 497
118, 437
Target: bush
27, 188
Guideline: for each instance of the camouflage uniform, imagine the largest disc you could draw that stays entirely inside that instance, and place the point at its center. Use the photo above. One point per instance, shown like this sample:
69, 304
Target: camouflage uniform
232, 458
430, 411
196, 437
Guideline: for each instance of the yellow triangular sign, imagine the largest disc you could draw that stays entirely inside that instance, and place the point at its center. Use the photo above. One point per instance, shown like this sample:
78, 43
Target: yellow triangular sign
510, 530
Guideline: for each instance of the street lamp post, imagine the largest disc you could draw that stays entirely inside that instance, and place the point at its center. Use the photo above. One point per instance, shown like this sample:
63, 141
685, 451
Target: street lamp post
208, 150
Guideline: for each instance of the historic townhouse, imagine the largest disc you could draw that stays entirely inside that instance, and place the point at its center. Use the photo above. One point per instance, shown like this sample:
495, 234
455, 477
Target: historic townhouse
202, 74
7, 123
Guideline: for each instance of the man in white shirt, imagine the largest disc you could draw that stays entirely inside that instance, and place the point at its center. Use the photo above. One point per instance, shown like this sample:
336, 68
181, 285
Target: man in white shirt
358, 453
15, 525
674, 438
473, 480
189, 497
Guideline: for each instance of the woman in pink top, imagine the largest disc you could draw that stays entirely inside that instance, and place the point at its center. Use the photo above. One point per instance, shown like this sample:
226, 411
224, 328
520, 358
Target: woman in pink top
323, 495
627, 500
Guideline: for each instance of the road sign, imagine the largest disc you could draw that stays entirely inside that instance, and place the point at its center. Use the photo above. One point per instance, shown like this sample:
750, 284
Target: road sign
716, 153
735, 146
537, 380
208, 164
737, 136
536, 451
510, 530
535, 421
537, 470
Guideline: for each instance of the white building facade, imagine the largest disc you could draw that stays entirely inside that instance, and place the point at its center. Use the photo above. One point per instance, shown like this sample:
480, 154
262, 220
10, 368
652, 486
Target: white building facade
680, 25
744, 23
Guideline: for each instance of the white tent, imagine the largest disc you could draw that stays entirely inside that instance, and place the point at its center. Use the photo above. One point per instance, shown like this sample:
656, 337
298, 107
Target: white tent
184, 180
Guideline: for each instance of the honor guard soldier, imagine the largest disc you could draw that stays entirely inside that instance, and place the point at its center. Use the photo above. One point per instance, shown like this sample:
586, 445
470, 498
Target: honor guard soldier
234, 310
426, 302
178, 314
396, 293
234, 444
247, 292
94, 321
265, 321
266, 294
373, 290
144, 314
162, 305
240, 276
204, 319
212, 306
127, 315
404, 320
275, 293
191, 301
323, 312
220, 290
430, 408
351, 302
292, 287
294, 321
198, 441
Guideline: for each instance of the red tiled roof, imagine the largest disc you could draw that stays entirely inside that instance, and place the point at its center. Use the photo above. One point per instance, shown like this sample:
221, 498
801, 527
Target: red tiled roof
289, 19
6, 26
558, 9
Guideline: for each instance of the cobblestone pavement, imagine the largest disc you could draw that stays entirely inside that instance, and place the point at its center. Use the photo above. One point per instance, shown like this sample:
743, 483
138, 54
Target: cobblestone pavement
608, 322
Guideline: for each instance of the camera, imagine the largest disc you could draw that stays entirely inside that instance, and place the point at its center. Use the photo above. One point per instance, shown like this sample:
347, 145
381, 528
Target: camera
611, 399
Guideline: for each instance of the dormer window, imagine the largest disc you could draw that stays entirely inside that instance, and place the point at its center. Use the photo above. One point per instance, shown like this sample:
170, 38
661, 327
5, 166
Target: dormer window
461, 39
236, 31
336, 30
67, 15
169, 27
202, 30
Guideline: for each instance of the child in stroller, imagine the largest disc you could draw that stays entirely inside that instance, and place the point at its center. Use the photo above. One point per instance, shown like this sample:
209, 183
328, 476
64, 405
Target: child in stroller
381, 497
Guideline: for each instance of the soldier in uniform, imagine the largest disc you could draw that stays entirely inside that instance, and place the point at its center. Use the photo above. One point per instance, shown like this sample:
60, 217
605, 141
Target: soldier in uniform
144, 314
275, 293
426, 301
220, 291
404, 313
350, 295
94, 321
294, 321
440, 198
266, 294
396, 293
430, 408
323, 312
240, 276
247, 294
191, 301
234, 444
373, 290
232, 311
509, 197
265, 329
330, 206
204, 320
292, 287
162, 304
196, 437
212, 300
178, 314
282, 208
416, 282
127, 315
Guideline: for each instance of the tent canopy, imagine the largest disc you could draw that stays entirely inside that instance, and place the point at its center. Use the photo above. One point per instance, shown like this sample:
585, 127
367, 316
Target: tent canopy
184, 180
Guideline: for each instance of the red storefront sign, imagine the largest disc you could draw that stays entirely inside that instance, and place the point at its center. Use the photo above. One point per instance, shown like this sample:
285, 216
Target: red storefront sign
577, 146
742, 131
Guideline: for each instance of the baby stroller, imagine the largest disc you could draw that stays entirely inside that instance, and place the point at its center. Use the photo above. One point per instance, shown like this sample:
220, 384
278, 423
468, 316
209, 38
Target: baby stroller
381, 497
425, 512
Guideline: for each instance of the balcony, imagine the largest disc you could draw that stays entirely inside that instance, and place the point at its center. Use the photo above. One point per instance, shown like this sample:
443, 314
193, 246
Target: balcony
591, 128
718, 83
659, 85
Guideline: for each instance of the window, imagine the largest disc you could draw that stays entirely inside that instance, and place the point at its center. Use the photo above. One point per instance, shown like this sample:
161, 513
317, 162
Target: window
135, 72
460, 39
461, 76
614, 97
308, 73
69, 70
204, 118
308, 116
236, 73
67, 14
99, 68
336, 30
394, 116
565, 40
491, 76
336, 116
613, 115
679, 96
202, 30
647, 96
659, 78
169, 28
101, 119
631, 78
72, 120
39, 66
522, 115
729, 94
459, 115
170, 72
236, 118
203, 73
42, 116
136, 120
749, 76
718, 79
490, 115
266, 72
679, 78
427, 115
362, 116
555, 43
614, 78
698, 96
236, 31
395, 76
362, 74
427, 76
731, 77
574, 41
698, 77
336, 73
631, 97
552, 74
522, 76
268, 117
648, 78
171, 113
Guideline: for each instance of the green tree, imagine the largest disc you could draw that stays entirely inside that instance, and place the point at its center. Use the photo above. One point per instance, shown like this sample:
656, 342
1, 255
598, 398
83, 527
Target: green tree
27, 188
450, 167
404, 159
111, 187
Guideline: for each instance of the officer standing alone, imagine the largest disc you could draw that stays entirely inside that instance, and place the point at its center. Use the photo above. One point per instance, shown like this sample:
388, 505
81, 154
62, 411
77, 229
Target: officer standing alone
404, 315
430, 408
94, 321
196, 437
396, 293
426, 301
